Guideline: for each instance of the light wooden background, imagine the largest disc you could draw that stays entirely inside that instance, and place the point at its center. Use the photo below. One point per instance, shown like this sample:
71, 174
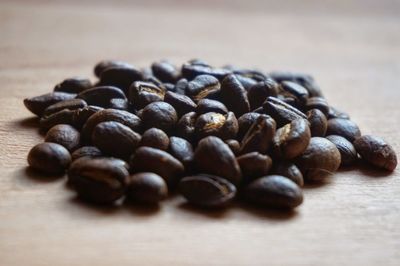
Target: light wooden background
351, 47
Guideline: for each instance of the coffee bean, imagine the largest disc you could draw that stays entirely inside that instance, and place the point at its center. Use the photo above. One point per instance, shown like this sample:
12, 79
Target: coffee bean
181, 85
281, 112
71, 104
207, 190
147, 187
38, 104
207, 106
291, 140
245, 122
73, 85
319, 160
86, 151
213, 156
120, 76
296, 90
62, 117
347, 151
115, 139
376, 152
101, 96
343, 127
319, 103
103, 65
234, 96
318, 122
155, 138
215, 124
159, 115
182, 103
81, 115
254, 165
234, 145
304, 80
192, 71
247, 82
118, 103
255, 74
199, 62
64, 135
288, 170
143, 93
98, 180
259, 136
259, 92
186, 126
335, 113
182, 150
147, 159
49, 158
203, 86
165, 71
274, 191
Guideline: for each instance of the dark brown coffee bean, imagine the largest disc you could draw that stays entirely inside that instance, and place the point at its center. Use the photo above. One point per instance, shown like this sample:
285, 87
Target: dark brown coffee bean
38, 104
234, 96
86, 151
49, 158
81, 115
291, 140
118, 103
347, 151
182, 150
203, 86
281, 112
259, 92
215, 124
376, 152
213, 156
199, 62
103, 65
182, 103
274, 191
234, 145
115, 139
304, 80
255, 74
64, 135
318, 122
143, 93
296, 90
147, 188
207, 190
128, 119
73, 85
160, 115
98, 180
181, 85
319, 103
259, 136
319, 160
101, 96
245, 122
165, 71
254, 165
207, 106
71, 104
335, 113
343, 127
147, 159
289, 170
62, 117
155, 138
247, 82
120, 76
192, 71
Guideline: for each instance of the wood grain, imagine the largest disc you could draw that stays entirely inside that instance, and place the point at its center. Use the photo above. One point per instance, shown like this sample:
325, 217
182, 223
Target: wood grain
353, 49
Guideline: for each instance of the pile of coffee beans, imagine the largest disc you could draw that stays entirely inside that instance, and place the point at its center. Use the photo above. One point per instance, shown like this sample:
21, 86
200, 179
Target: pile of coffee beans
212, 134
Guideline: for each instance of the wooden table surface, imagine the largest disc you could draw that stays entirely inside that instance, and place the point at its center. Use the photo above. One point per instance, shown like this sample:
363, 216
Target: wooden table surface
352, 48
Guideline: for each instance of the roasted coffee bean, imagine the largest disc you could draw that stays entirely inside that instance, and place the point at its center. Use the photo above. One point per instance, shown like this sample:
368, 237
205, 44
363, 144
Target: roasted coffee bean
64, 135
296, 90
319, 103
115, 139
200, 62
291, 140
182, 150
86, 151
38, 104
62, 117
147, 187
376, 152
203, 86
182, 103
147, 159
155, 138
259, 92
81, 115
245, 122
120, 76
274, 191
98, 180
289, 170
143, 93
254, 165
255, 74
259, 136
165, 71
73, 85
348, 153
213, 156
282, 112
101, 96
259, 110
128, 119
72, 104
181, 85
234, 95
103, 65
234, 145
192, 71
169, 86
318, 122
319, 160
247, 82
49, 158
207, 105
343, 127
118, 103
335, 113
207, 190
304, 80
160, 115
186, 126
215, 124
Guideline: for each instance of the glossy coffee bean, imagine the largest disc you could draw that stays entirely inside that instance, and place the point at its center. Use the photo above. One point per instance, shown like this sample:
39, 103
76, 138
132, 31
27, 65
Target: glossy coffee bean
288, 170
296, 90
203, 86
86, 151
234, 145
73, 85
336, 113
81, 115
347, 151
343, 127
215, 124
38, 104
259, 92
208, 105
61, 117
101, 96
192, 71
318, 122
181, 85
159, 115
105, 64
64, 135
376, 152
147, 188
319, 103
120, 76
247, 82
49, 158
143, 93
71, 104
155, 138
259, 136
118, 103
182, 103
245, 122
282, 112
254, 165
182, 150
165, 71
234, 95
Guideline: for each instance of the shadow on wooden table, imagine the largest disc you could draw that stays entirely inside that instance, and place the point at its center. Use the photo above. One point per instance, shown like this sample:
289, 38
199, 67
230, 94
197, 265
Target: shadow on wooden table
37, 176
29, 122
